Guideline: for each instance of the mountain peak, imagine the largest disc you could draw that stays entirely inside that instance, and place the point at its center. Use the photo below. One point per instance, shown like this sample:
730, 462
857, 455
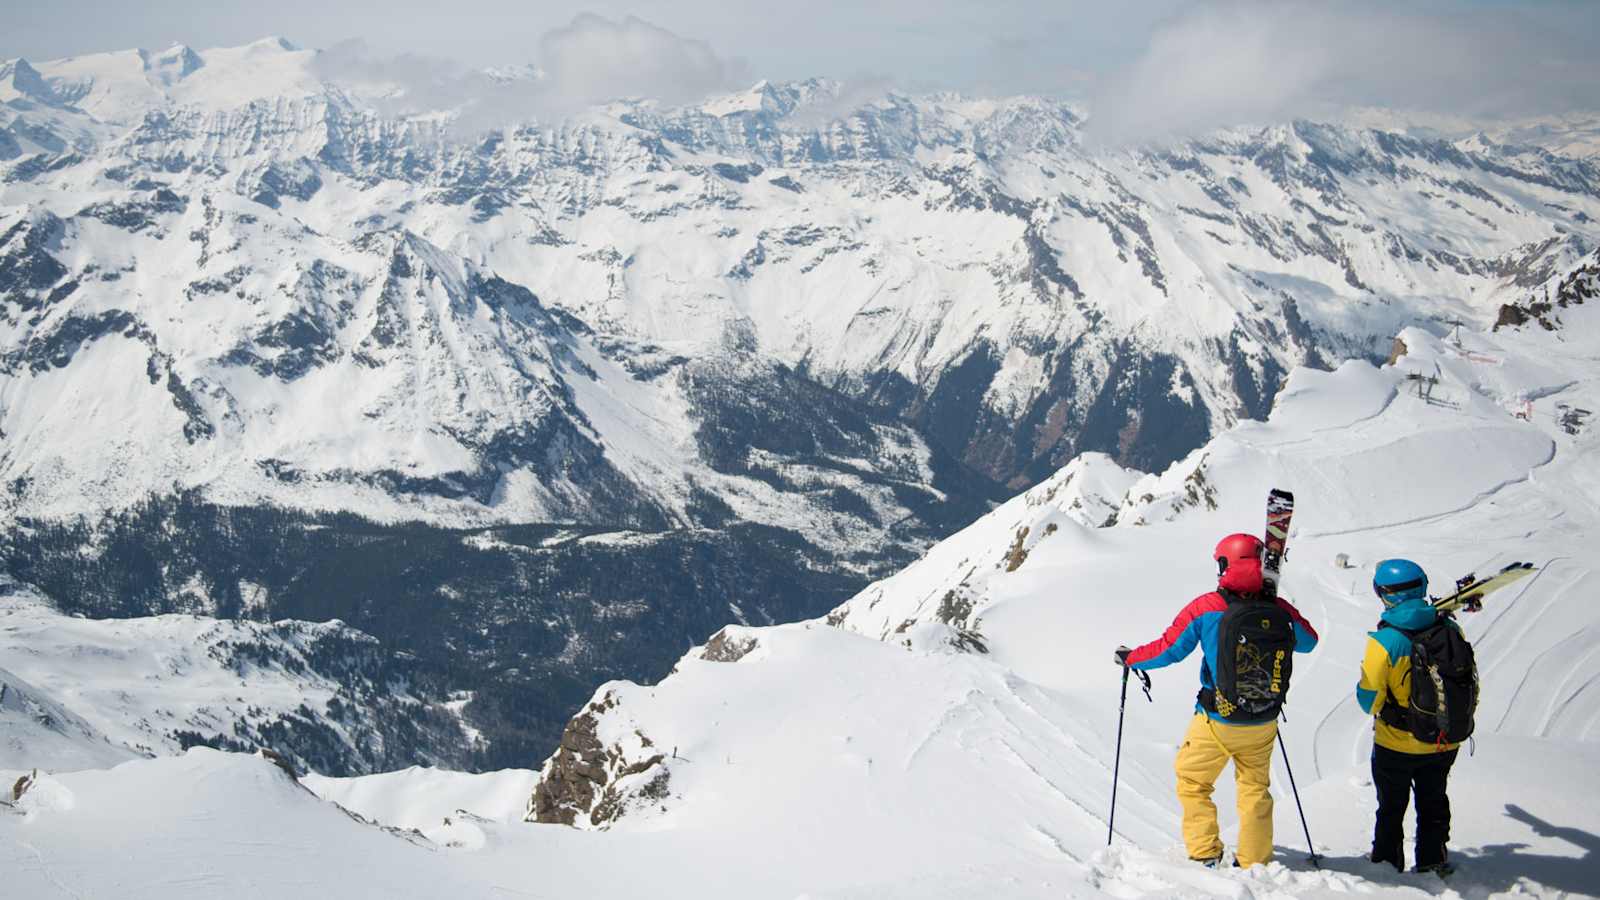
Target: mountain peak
19, 75
172, 64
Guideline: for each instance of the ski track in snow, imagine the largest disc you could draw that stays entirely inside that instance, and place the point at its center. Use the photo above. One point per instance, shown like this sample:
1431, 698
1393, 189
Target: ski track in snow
1438, 516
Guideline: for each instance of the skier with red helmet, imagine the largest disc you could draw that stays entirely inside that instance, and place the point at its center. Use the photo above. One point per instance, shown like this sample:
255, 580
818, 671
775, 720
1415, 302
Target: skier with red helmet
1241, 692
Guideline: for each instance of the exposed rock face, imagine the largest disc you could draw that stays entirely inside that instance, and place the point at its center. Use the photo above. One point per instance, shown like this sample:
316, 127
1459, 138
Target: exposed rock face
282, 762
1400, 349
1572, 288
590, 781
575, 775
731, 644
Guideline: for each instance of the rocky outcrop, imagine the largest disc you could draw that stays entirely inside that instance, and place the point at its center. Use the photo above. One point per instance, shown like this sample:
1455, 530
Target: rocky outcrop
1573, 288
575, 775
731, 644
604, 768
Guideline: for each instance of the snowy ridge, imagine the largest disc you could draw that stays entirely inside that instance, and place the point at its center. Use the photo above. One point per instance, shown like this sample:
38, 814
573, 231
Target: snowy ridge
422, 797
946, 585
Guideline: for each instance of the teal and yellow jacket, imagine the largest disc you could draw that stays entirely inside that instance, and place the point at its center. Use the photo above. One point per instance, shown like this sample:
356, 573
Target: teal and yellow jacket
1386, 673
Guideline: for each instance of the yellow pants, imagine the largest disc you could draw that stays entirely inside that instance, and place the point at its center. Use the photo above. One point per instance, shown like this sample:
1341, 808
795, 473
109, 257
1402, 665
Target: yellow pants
1206, 749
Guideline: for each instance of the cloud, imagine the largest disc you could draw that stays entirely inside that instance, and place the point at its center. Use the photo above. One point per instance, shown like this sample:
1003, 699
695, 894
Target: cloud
589, 62
1236, 63
840, 100
407, 83
594, 60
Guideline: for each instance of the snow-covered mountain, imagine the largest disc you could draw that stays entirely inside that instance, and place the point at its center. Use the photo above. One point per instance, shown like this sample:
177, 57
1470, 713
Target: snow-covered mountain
262, 233
324, 696
260, 313
897, 749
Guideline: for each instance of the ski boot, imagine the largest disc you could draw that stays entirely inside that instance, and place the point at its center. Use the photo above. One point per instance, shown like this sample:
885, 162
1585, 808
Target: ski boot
1443, 868
1387, 859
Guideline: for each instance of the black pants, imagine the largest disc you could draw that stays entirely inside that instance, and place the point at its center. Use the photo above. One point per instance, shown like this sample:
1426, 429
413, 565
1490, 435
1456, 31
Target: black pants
1396, 775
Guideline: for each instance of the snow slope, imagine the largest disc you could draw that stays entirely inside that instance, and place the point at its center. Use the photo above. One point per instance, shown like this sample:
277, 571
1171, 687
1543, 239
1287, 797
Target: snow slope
34, 728
857, 760
422, 797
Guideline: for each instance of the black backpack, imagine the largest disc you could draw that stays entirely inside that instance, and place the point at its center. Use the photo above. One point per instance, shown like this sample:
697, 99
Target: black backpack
1444, 687
1255, 657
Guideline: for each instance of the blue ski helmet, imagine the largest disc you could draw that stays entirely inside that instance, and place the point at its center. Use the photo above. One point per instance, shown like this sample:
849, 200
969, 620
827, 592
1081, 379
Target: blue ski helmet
1399, 580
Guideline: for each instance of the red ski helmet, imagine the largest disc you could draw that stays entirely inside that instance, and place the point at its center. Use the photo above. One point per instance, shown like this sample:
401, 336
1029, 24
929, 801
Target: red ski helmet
1236, 547
1238, 559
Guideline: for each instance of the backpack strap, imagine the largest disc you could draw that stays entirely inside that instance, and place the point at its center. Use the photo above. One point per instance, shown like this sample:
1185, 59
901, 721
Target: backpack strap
1230, 596
1392, 713
1412, 635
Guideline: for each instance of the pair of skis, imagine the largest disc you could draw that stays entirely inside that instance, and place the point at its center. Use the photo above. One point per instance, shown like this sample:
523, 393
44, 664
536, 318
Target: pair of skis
1470, 589
1280, 510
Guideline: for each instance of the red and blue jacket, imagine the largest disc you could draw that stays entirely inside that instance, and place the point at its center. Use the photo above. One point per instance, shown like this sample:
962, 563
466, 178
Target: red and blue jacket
1196, 626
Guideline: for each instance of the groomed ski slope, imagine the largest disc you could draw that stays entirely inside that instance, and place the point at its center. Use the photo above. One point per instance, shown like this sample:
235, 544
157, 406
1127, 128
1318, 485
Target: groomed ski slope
871, 760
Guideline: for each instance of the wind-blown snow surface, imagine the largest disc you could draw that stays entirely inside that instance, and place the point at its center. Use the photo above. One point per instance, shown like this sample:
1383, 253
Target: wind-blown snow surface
875, 758
422, 797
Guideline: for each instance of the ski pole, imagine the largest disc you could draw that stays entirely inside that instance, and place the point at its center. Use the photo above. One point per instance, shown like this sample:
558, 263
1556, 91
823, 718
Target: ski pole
1315, 859
1116, 768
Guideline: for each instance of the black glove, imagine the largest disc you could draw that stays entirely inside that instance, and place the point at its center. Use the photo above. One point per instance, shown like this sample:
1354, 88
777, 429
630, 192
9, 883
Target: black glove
1122, 655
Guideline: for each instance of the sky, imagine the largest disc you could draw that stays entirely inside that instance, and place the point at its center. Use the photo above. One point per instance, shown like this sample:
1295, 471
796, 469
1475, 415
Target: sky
1144, 68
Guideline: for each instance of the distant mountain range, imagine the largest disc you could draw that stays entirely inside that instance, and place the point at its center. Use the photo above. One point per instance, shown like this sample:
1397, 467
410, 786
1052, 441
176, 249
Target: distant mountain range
547, 404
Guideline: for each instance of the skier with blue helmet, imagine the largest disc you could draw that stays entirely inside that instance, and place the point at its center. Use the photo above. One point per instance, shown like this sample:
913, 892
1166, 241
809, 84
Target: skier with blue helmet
1401, 763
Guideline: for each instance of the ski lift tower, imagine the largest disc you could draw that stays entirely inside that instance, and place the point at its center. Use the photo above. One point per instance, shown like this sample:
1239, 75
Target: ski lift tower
1425, 383
1455, 331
